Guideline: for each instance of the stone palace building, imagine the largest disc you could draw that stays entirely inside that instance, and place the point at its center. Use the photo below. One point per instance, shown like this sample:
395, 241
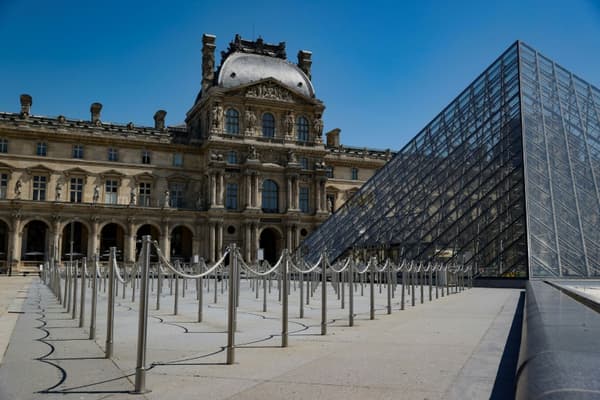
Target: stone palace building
249, 166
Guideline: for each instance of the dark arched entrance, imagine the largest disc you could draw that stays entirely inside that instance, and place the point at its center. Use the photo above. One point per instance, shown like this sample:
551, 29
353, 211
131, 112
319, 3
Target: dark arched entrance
79, 238
181, 244
112, 235
142, 231
3, 245
270, 243
35, 241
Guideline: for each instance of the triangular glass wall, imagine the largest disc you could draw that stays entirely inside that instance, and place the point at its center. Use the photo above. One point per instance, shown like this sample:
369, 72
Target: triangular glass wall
457, 191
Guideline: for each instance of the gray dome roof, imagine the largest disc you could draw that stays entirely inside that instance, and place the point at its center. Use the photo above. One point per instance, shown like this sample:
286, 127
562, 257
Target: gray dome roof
243, 68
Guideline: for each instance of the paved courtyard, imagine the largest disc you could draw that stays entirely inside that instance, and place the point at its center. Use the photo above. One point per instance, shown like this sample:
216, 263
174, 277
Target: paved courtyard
450, 348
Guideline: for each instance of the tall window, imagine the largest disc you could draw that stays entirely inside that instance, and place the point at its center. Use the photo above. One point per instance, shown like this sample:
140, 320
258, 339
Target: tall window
232, 121
354, 174
329, 171
146, 157
113, 154
145, 190
178, 160
110, 191
303, 199
231, 196
3, 145
39, 188
176, 190
302, 129
41, 149
77, 151
76, 190
268, 125
304, 162
270, 195
232, 157
3, 185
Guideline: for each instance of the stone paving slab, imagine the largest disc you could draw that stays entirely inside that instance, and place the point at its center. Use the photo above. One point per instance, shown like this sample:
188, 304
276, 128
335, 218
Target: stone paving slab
453, 344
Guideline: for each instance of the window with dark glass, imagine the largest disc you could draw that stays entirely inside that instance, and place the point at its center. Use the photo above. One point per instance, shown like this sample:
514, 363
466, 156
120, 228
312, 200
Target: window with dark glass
176, 190
110, 191
113, 154
302, 129
232, 157
178, 160
76, 190
231, 196
329, 171
354, 174
41, 149
270, 194
232, 121
303, 199
3, 145
39, 187
145, 191
77, 151
304, 162
146, 157
268, 125
3, 185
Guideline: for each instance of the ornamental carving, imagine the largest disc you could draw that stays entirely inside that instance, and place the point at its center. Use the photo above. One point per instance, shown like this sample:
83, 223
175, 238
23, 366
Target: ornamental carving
269, 91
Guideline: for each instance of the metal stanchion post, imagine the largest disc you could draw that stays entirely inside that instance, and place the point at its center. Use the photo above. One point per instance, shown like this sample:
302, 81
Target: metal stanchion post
301, 286
159, 281
67, 296
140, 368
284, 301
412, 287
371, 293
323, 297
430, 270
389, 289
94, 297
74, 284
343, 289
421, 275
200, 298
351, 293
110, 314
82, 300
176, 300
264, 281
230, 307
402, 301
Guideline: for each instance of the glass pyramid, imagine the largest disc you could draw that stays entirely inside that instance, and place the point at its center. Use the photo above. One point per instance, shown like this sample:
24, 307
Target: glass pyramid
506, 178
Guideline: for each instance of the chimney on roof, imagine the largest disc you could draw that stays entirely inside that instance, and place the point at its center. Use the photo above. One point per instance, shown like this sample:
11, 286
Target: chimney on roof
95, 110
26, 102
208, 61
305, 62
333, 137
159, 119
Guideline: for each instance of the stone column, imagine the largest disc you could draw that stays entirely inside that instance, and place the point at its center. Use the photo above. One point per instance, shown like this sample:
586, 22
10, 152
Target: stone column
129, 242
296, 236
94, 239
248, 241
318, 196
16, 235
255, 198
248, 190
296, 192
211, 241
220, 200
165, 240
323, 196
212, 190
255, 240
288, 237
290, 206
56, 242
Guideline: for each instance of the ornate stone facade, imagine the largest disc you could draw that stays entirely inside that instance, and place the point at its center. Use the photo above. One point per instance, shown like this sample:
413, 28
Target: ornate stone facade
249, 166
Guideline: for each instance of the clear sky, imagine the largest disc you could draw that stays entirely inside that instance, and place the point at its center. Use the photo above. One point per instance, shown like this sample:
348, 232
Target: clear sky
383, 68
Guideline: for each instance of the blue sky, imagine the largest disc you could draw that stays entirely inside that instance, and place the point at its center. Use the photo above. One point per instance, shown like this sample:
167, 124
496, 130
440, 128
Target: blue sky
383, 70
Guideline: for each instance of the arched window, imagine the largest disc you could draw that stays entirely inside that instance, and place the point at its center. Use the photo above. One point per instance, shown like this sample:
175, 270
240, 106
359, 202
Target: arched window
270, 195
302, 129
232, 121
268, 125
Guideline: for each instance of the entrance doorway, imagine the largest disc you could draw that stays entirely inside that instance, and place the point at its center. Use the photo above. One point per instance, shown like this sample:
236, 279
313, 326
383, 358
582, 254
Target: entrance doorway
112, 235
270, 242
35, 240
80, 240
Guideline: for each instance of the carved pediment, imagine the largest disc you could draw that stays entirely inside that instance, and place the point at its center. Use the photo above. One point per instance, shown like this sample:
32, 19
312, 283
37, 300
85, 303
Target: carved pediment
75, 171
270, 90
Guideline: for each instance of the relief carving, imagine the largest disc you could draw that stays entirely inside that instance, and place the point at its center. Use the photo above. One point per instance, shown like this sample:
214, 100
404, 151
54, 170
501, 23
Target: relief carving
269, 91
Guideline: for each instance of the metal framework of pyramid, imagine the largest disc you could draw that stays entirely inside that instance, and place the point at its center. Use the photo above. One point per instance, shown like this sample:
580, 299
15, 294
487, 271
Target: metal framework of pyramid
506, 178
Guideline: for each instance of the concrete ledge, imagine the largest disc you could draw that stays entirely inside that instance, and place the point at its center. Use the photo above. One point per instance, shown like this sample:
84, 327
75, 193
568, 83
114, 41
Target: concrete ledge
560, 347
